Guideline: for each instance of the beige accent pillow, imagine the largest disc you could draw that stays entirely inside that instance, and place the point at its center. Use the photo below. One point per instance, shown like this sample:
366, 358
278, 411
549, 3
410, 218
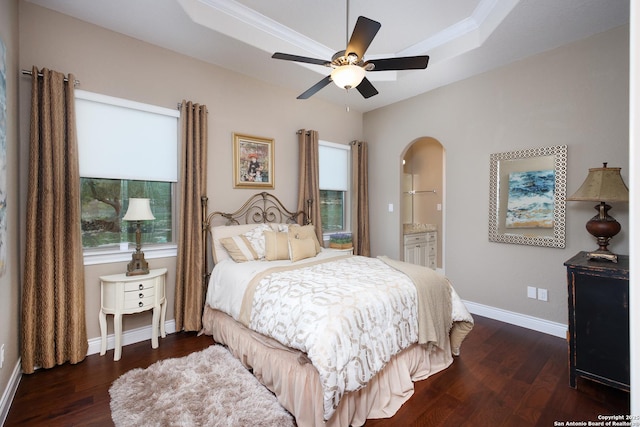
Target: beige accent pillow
302, 248
239, 248
305, 232
223, 231
276, 245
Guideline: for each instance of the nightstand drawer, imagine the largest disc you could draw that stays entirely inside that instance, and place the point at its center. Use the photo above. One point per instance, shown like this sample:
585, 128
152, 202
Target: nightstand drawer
138, 286
130, 304
138, 295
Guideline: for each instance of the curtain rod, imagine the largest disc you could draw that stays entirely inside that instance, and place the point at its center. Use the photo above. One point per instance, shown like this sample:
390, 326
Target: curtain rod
194, 106
298, 132
30, 73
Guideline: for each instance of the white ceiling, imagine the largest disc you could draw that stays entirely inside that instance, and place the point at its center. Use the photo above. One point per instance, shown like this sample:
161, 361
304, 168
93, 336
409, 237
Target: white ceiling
462, 37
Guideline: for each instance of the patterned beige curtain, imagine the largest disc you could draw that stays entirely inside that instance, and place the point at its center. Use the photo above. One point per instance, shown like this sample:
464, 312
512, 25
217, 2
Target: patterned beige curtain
190, 293
53, 302
360, 170
309, 177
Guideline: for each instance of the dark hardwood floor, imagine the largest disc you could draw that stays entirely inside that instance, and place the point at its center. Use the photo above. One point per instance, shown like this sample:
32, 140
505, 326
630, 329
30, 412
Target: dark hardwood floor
506, 376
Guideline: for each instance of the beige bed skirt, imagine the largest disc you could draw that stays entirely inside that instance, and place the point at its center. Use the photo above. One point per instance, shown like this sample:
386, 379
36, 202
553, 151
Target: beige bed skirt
294, 381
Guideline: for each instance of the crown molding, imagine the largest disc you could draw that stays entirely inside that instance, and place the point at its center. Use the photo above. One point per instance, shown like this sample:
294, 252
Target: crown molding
240, 22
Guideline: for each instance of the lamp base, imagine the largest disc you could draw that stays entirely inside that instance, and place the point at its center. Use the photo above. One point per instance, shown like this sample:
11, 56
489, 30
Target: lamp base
138, 265
603, 255
603, 227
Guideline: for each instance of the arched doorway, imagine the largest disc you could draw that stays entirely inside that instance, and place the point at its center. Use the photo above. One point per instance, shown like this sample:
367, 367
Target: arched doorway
423, 188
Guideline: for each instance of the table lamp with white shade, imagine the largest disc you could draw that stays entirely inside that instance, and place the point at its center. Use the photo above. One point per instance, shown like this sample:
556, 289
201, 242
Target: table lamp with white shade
139, 210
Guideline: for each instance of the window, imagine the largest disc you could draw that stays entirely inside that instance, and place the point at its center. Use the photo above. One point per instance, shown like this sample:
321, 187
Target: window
126, 149
334, 186
105, 201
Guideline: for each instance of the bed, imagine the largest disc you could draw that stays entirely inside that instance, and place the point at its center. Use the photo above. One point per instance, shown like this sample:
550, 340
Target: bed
337, 338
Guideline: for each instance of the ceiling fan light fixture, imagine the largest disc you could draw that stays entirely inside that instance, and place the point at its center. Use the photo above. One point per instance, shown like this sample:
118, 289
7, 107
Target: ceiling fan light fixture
347, 76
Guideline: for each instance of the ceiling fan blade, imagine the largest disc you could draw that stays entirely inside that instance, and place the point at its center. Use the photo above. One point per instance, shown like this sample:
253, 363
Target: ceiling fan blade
362, 36
296, 58
404, 63
315, 88
366, 89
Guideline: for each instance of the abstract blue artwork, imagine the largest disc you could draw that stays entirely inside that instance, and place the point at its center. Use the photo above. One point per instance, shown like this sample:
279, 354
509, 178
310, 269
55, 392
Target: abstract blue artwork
531, 199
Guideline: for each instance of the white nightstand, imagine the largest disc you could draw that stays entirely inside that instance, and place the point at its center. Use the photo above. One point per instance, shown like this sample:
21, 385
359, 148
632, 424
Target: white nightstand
121, 294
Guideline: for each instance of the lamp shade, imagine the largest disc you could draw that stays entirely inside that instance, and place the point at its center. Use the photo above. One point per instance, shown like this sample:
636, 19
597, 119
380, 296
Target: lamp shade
139, 210
602, 185
347, 76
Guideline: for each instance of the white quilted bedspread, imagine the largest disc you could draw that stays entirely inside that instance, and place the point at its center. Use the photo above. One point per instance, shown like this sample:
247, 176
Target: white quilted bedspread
349, 316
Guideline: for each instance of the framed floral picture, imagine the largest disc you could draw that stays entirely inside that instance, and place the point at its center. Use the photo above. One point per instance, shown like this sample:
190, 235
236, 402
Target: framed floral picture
253, 165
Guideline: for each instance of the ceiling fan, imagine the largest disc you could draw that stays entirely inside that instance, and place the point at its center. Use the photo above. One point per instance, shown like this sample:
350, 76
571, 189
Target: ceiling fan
349, 66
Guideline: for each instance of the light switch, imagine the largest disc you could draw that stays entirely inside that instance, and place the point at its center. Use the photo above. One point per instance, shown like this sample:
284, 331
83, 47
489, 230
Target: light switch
390, 207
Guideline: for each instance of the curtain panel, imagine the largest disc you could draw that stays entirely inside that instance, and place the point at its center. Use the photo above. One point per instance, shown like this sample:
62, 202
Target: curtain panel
309, 177
53, 296
190, 265
360, 221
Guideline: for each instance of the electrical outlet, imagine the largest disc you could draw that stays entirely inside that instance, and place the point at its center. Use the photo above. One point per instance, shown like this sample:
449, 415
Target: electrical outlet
543, 295
1, 356
532, 292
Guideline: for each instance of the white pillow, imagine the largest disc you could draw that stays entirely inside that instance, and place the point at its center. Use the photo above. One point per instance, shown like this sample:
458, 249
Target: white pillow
281, 227
256, 238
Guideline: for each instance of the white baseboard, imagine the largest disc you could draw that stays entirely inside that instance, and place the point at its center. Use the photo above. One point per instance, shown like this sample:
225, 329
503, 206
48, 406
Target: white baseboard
10, 392
529, 322
129, 337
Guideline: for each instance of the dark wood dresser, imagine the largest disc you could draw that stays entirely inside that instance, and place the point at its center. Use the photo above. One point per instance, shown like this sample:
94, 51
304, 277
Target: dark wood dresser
598, 320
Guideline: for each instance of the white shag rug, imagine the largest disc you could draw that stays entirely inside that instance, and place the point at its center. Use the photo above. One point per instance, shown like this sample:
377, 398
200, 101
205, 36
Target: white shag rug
207, 388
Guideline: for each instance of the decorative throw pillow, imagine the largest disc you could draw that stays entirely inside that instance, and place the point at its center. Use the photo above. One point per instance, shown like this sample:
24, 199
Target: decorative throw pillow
305, 232
276, 245
239, 248
302, 248
223, 231
256, 239
279, 226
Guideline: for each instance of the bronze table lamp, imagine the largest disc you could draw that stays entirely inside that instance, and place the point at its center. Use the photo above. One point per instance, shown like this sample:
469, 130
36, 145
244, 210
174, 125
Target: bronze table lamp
603, 185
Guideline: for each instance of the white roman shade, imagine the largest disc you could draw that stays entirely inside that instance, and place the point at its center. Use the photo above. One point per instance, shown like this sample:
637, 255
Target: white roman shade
334, 166
122, 139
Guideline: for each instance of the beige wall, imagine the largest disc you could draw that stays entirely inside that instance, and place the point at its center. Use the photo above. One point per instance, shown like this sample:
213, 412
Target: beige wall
10, 280
575, 95
116, 65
